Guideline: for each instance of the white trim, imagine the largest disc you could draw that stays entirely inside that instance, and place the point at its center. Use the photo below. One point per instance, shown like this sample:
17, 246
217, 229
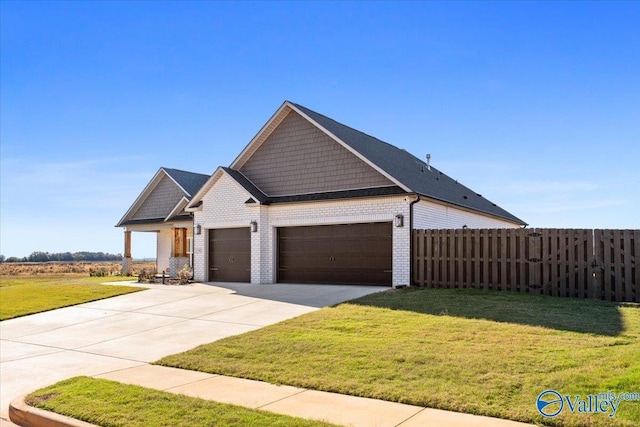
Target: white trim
178, 208
142, 196
205, 188
176, 182
262, 135
158, 226
273, 123
148, 189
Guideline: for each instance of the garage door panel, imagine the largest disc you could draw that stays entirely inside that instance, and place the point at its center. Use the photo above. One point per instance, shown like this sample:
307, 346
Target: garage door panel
230, 255
347, 254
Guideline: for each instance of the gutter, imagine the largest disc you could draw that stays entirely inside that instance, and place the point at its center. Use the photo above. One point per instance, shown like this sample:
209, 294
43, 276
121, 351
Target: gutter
411, 248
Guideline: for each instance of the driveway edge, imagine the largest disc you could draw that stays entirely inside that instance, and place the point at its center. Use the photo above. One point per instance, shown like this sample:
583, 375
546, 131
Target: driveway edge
29, 416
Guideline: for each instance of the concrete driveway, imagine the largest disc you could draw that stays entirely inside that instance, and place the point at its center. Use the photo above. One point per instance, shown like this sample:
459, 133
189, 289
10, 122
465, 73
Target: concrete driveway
135, 329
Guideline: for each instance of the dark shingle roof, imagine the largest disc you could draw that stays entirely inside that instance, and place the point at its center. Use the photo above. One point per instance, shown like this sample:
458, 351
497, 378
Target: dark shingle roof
408, 169
247, 185
262, 198
191, 182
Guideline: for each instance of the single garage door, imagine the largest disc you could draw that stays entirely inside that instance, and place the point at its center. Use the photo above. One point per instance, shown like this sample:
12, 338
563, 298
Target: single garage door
341, 254
230, 255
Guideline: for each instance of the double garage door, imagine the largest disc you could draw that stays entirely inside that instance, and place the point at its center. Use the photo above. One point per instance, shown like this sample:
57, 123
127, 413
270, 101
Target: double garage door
333, 254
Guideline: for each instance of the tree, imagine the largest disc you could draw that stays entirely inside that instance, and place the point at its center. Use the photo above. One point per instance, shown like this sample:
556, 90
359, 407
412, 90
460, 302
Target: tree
1, 258
39, 256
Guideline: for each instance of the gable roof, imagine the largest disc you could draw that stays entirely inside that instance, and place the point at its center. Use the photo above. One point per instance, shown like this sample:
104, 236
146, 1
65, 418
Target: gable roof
188, 182
407, 170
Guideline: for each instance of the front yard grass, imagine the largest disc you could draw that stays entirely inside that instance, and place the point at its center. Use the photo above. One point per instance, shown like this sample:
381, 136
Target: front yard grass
109, 403
22, 295
486, 353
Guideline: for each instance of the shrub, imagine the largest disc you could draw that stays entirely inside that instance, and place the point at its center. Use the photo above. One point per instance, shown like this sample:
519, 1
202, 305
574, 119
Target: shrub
185, 274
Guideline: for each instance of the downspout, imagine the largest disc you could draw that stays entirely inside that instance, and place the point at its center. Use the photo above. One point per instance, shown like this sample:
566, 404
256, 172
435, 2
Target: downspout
411, 248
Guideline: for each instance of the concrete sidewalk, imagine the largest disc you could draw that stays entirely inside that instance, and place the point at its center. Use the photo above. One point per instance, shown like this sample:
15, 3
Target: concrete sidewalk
116, 338
135, 329
318, 405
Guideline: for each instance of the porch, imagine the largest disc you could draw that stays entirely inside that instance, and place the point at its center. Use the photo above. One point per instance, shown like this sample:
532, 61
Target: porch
174, 247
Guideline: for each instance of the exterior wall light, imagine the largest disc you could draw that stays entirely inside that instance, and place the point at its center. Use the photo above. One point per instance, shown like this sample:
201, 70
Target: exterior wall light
399, 220
254, 226
198, 229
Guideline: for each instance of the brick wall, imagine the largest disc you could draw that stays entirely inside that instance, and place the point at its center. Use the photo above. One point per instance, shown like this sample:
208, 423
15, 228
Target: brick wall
224, 207
427, 214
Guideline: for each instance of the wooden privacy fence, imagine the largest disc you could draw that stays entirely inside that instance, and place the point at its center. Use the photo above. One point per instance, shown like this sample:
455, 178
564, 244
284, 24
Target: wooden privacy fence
601, 264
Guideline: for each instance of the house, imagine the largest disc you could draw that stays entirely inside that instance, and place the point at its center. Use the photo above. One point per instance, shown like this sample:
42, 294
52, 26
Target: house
310, 200
160, 209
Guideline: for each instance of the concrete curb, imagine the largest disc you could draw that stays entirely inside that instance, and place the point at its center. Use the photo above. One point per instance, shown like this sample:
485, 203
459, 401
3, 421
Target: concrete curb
28, 416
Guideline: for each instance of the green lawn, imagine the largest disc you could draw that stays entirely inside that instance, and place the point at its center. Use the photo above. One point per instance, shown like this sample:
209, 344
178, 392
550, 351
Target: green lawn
109, 403
22, 295
486, 353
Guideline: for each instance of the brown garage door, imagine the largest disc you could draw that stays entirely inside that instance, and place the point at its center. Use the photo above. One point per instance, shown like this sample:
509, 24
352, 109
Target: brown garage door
344, 254
230, 255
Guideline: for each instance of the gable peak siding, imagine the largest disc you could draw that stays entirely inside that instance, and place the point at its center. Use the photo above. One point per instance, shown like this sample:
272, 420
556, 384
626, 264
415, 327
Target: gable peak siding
161, 201
298, 158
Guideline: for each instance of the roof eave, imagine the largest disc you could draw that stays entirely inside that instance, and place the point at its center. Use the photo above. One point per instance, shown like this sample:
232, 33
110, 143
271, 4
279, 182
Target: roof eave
143, 195
514, 220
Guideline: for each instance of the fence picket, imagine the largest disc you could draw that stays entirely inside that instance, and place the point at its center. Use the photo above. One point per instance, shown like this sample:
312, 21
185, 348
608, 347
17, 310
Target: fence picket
602, 264
626, 266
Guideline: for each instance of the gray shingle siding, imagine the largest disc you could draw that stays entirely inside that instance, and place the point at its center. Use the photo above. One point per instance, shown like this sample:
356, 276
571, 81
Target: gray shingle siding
298, 158
164, 197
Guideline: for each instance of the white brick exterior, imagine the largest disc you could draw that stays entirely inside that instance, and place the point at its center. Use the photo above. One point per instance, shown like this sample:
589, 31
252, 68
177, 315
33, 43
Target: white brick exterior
224, 207
428, 214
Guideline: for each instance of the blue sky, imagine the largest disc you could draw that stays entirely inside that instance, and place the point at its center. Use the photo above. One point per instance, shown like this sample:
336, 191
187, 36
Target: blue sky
534, 105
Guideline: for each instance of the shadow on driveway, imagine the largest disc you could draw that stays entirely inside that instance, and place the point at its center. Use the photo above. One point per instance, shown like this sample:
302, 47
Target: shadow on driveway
309, 295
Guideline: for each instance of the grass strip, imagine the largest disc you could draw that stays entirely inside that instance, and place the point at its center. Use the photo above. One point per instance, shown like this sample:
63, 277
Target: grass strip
486, 353
112, 404
20, 296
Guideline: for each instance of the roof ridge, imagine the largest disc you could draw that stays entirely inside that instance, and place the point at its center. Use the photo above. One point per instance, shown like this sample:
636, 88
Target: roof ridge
185, 171
349, 127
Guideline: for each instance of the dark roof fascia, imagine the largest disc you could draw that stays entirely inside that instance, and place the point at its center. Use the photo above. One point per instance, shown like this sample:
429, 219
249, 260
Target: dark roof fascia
181, 217
255, 192
408, 170
337, 195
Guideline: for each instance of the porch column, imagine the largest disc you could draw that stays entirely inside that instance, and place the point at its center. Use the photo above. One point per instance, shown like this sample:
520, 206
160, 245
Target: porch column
127, 260
179, 257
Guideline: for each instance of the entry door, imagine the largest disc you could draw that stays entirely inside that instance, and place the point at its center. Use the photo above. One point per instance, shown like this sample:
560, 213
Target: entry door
336, 254
230, 255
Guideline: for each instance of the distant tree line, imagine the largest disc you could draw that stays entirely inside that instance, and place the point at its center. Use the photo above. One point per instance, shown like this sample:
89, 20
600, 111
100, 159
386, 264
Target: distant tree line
39, 256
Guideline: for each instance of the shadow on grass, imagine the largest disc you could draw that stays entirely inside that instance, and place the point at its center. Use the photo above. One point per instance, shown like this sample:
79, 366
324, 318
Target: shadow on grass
567, 314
